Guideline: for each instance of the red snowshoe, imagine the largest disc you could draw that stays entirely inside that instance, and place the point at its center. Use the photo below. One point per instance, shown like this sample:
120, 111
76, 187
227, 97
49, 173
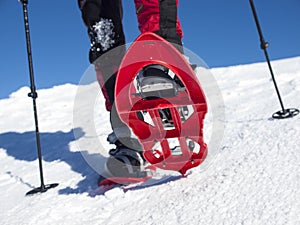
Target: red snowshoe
159, 96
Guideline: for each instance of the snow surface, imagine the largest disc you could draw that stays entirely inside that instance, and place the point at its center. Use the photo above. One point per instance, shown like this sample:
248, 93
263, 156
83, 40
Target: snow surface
253, 179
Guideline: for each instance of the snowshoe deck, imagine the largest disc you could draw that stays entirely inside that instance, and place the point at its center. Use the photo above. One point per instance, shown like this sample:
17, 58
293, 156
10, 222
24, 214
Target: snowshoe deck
171, 142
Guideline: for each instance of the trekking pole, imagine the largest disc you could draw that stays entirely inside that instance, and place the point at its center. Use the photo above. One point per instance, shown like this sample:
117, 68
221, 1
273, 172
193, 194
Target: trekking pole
33, 95
283, 113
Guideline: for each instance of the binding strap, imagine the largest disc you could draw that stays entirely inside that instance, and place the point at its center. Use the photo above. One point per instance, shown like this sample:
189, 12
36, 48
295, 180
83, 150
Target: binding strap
168, 21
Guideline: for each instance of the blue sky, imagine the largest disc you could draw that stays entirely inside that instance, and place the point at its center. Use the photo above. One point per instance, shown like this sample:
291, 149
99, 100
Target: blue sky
222, 33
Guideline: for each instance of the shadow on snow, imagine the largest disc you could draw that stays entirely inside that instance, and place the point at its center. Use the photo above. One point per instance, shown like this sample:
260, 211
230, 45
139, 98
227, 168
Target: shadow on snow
55, 147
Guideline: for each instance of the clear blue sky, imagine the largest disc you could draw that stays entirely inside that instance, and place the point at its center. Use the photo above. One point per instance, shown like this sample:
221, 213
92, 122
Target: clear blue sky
221, 32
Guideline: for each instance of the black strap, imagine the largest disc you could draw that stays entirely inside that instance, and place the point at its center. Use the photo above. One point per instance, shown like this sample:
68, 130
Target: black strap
168, 22
168, 14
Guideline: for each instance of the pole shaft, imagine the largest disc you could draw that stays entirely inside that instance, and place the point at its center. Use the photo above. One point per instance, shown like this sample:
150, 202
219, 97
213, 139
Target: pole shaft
264, 46
33, 93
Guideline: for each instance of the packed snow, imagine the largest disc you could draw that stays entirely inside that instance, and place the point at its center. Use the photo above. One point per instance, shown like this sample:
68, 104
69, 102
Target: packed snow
252, 177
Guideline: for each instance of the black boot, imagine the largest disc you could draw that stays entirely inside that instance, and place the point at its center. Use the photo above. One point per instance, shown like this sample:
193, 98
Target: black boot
124, 161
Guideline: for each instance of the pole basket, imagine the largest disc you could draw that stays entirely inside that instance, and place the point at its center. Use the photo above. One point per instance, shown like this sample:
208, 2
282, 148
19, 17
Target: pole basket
286, 113
41, 189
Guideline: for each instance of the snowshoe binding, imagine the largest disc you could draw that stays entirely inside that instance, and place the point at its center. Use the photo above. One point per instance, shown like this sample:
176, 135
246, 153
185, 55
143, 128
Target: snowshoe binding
155, 82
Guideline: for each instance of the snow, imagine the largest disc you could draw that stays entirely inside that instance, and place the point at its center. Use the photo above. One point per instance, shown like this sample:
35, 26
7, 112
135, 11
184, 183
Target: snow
104, 31
253, 177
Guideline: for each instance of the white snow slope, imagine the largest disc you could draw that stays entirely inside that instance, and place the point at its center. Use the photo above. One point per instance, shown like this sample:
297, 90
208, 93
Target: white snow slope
254, 178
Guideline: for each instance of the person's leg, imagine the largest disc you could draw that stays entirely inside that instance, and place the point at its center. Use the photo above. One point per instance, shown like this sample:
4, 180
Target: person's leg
103, 19
160, 17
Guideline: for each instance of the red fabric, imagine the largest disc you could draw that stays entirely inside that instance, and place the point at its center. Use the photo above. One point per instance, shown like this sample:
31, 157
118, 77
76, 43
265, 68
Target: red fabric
148, 16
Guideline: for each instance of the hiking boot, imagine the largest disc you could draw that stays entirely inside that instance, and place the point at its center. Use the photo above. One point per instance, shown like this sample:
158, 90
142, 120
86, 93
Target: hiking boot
125, 162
